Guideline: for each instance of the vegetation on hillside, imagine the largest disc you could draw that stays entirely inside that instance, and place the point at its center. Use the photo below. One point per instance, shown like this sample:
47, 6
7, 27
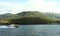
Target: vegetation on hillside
55, 15
28, 17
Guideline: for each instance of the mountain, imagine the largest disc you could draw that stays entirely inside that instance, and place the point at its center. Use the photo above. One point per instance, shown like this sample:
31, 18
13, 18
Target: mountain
29, 17
54, 15
5, 16
32, 17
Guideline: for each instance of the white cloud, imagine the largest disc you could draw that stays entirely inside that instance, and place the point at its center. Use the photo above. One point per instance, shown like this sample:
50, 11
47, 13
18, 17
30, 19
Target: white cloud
12, 7
31, 5
43, 6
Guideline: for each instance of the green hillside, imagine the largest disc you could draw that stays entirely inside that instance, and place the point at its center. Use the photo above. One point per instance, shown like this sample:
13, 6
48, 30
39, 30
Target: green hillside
55, 15
32, 17
28, 17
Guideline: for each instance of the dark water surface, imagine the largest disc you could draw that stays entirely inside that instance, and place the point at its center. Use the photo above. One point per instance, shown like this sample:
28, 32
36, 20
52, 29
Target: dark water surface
31, 30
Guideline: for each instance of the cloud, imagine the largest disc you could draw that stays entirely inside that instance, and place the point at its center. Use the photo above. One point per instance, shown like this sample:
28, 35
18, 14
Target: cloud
41, 5
30, 5
13, 7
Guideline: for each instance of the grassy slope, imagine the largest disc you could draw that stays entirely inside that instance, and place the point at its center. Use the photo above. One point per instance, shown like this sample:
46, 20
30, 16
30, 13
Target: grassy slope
31, 16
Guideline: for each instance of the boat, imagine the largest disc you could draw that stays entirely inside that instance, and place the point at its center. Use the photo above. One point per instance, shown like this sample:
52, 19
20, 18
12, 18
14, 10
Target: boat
13, 26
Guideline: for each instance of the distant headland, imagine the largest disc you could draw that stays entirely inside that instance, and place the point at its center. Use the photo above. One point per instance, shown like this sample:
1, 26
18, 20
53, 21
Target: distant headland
30, 17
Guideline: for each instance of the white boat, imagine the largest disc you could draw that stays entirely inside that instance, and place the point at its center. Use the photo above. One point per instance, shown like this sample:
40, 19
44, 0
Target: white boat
13, 26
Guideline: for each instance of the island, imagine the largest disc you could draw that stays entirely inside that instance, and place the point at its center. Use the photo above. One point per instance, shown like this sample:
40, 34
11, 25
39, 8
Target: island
29, 17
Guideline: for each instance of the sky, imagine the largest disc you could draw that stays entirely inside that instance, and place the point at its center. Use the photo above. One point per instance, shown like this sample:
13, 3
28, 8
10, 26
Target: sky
16, 6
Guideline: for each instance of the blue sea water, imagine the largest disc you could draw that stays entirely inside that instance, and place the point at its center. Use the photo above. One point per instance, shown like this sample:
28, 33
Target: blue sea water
31, 30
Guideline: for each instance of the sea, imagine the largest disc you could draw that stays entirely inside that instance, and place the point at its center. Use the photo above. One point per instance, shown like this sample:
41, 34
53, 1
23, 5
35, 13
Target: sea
30, 30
